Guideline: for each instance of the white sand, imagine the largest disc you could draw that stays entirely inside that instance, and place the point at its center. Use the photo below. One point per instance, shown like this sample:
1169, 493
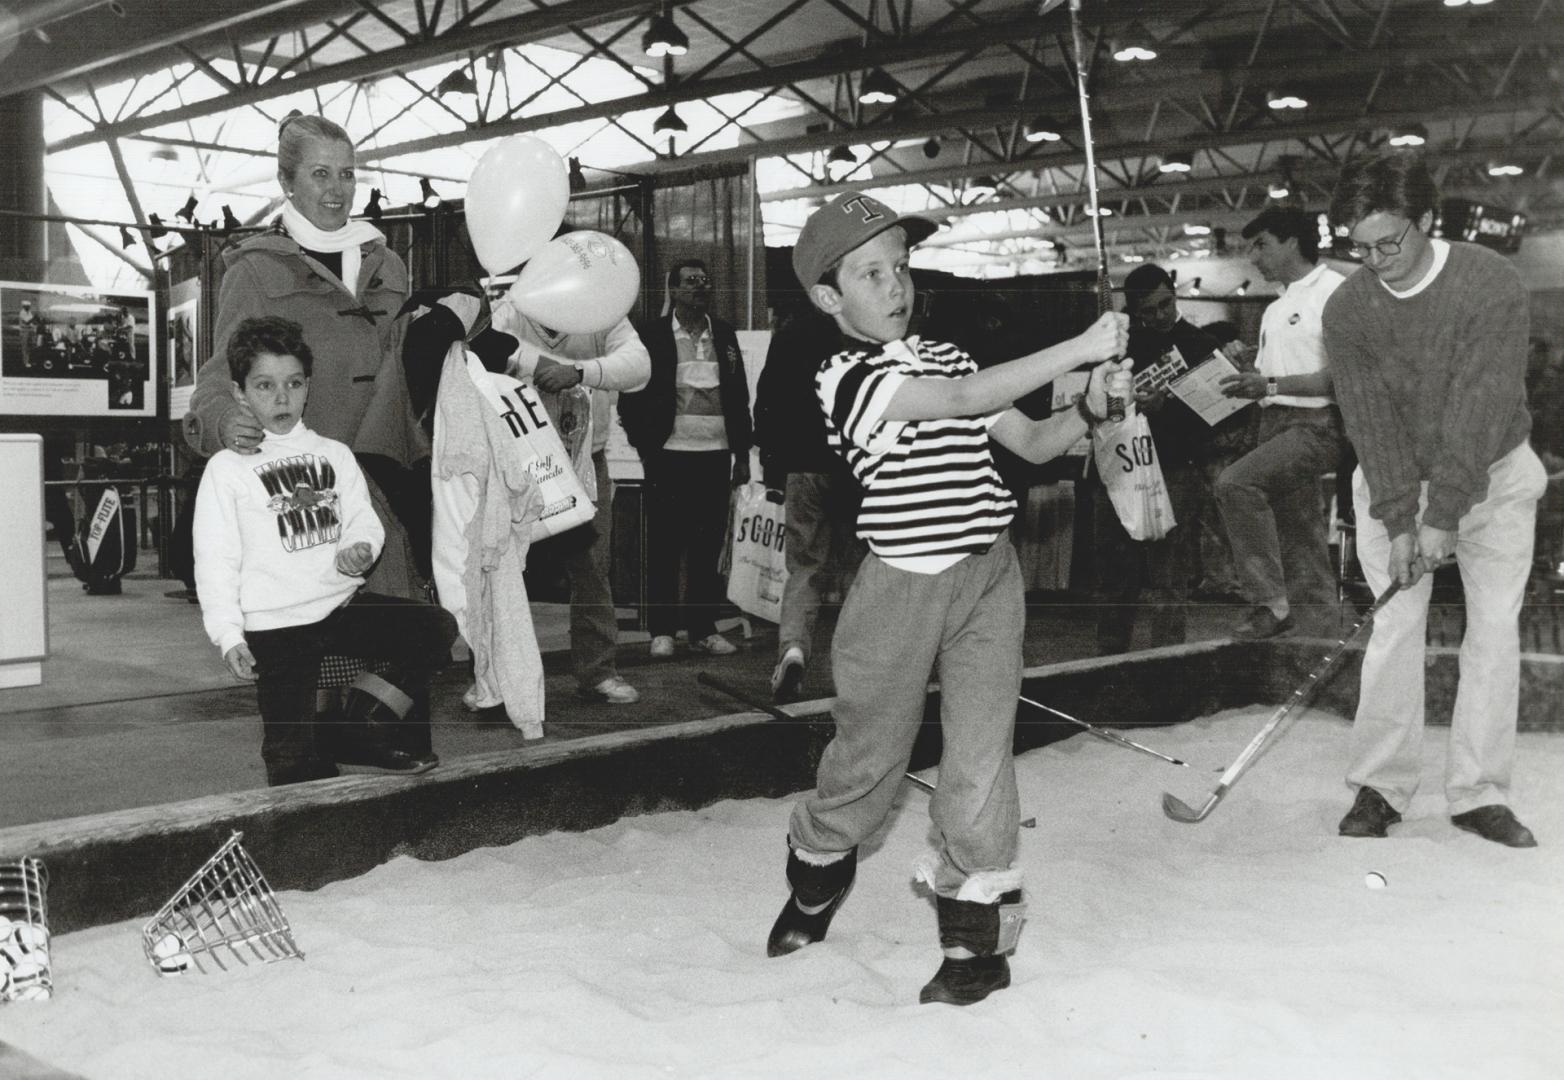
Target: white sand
1247, 946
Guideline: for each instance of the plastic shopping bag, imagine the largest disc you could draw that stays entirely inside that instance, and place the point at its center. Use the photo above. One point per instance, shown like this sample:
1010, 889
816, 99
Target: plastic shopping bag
757, 568
1127, 462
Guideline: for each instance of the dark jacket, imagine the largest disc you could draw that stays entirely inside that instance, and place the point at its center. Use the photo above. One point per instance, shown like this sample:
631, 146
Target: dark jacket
789, 423
1180, 434
647, 415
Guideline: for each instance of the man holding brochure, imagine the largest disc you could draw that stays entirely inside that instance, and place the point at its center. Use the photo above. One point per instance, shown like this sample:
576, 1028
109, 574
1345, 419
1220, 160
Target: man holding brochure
1163, 347
1270, 498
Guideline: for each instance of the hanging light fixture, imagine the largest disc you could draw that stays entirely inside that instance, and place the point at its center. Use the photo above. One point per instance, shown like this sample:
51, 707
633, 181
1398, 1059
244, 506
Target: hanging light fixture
156, 229
1194, 287
983, 187
878, 88
1134, 45
230, 222
931, 148
1175, 163
372, 209
670, 120
457, 82
663, 37
1042, 129
840, 161
1243, 288
126, 237
187, 212
429, 196
1409, 135
1281, 101
577, 178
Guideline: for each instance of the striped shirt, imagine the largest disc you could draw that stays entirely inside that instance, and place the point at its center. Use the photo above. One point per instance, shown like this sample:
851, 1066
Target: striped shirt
931, 493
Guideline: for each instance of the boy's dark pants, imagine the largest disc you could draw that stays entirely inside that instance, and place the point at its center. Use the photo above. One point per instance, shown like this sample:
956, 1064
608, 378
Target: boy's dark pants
414, 637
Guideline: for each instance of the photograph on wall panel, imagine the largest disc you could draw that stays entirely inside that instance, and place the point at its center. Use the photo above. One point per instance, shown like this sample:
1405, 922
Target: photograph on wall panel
184, 314
69, 350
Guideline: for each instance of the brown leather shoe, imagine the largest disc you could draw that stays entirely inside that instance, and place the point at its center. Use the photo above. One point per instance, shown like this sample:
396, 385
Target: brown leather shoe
1496, 823
1370, 815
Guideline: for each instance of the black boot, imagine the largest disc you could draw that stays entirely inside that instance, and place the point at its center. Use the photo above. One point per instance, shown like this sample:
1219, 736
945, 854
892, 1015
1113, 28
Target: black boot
989, 931
822, 888
381, 730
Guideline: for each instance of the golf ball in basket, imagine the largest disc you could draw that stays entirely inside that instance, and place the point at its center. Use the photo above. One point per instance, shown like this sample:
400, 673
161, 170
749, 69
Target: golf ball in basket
1374, 879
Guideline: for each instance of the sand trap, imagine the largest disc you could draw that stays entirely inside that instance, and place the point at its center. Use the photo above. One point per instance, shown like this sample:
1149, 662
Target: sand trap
1247, 947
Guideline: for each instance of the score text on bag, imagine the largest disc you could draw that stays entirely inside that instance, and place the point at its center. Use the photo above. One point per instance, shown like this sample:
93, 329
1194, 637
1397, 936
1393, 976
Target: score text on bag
1127, 463
757, 567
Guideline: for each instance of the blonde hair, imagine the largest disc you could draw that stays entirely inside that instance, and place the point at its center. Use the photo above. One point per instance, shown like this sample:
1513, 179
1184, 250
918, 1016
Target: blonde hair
295, 130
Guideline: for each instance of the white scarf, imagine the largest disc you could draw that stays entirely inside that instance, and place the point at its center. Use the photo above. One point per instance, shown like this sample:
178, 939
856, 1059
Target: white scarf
345, 240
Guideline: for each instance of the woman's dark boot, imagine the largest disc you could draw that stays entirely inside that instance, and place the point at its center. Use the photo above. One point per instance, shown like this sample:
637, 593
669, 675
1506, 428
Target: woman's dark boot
817, 892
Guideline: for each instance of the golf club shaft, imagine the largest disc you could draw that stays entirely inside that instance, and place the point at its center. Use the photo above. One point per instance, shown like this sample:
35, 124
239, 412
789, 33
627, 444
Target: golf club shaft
1102, 733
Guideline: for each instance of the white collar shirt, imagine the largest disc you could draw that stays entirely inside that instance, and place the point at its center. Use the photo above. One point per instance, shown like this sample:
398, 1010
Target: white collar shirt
1291, 337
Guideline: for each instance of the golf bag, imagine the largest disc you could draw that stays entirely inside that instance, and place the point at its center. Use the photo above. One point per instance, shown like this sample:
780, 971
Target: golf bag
105, 542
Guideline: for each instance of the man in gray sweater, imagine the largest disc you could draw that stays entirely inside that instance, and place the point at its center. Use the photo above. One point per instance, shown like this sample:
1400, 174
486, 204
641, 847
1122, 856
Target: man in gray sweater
1427, 342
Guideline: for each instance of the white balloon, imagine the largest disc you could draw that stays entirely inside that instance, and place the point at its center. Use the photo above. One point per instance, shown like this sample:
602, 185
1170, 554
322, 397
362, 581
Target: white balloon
515, 201
579, 283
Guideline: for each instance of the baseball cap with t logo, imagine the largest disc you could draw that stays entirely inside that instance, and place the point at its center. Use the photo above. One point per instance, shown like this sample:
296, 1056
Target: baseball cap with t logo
841, 225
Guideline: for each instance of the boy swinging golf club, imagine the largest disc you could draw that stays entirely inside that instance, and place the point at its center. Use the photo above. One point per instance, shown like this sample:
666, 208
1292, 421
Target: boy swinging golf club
940, 590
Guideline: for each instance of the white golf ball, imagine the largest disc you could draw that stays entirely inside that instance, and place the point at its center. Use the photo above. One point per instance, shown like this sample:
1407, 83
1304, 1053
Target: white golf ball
1374, 879
167, 946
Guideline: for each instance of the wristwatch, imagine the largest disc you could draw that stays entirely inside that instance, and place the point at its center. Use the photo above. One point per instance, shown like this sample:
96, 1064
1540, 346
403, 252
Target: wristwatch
1270, 387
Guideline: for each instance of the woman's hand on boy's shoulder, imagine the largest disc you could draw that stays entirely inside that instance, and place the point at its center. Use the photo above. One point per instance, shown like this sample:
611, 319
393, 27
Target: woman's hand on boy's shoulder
355, 559
240, 661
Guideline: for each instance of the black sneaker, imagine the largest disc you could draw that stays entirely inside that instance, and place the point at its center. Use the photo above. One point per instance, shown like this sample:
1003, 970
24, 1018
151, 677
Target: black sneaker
1370, 815
966, 982
1496, 823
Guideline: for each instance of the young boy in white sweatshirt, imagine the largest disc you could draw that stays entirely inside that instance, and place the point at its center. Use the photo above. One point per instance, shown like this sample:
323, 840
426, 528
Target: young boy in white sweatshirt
284, 535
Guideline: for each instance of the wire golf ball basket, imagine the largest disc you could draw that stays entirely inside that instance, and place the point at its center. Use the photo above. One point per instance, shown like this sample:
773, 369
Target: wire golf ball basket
24, 931
226, 907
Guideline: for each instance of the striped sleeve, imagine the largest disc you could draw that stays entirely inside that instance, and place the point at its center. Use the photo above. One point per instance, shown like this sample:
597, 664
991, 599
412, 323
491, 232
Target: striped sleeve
855, 392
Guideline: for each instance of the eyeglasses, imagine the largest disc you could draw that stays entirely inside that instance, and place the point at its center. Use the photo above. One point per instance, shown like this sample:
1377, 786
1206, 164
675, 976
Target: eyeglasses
1383, 248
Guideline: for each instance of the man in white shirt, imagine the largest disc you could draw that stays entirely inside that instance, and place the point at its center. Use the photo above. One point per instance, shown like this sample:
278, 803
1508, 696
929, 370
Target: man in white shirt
1270, 498
691, 428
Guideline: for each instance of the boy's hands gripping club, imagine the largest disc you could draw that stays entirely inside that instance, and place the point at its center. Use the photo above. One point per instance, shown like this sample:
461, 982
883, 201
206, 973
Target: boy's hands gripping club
1106, 382
1107, 338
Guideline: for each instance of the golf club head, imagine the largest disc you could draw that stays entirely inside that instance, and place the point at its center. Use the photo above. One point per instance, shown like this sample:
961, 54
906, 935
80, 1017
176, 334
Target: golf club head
1178, 810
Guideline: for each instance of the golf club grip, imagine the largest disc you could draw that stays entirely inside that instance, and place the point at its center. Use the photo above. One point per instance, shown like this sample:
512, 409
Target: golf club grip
1104, 306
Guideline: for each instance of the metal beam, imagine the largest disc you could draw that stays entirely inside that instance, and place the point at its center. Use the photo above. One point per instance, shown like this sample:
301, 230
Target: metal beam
517, 29
1202, 185
945, 122
698, 90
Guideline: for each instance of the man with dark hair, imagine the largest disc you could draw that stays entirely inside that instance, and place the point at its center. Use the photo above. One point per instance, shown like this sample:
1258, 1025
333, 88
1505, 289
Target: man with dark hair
1124, 567
691, 427
1270, 497
1427, 342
